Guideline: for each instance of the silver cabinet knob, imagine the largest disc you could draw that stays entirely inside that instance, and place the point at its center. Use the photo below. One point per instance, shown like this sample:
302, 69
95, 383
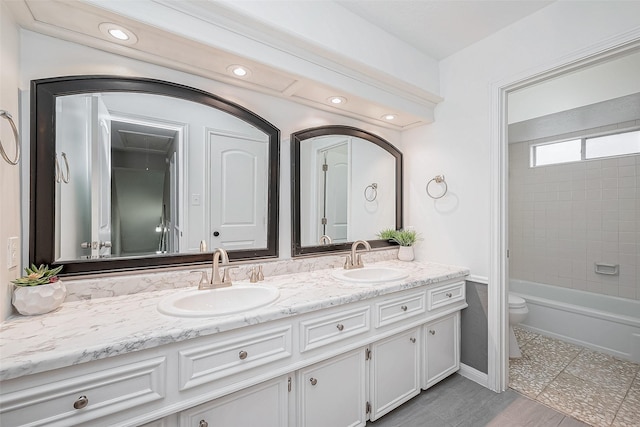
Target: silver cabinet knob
413, 340
403, 308
243, 355
313, 381
340, 326
81, 402
449, 294
203, 423
432, 332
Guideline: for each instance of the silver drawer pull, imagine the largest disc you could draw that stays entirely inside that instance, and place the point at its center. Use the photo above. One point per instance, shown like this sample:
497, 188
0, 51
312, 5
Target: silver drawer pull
340, 326
413, 340
403, 308
449, 294
313, 381
243, 355
81, 402
432, 332
203, 423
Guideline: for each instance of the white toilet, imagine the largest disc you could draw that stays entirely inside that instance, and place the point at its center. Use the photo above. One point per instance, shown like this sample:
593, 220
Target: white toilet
517, 313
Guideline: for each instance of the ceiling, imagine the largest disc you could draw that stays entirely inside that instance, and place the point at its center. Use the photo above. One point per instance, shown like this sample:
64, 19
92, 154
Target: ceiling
438, 28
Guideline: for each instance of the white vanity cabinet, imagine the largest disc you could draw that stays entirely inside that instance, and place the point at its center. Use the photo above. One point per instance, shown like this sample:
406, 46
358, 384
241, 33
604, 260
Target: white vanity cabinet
394, 371
441, 349
264, 405
333, 392
336, 366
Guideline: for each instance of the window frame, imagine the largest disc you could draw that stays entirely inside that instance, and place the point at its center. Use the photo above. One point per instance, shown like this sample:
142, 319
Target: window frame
583, 147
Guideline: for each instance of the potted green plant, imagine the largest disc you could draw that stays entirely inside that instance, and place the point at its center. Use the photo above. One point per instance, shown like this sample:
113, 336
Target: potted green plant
39, 291
405, 238
387, 234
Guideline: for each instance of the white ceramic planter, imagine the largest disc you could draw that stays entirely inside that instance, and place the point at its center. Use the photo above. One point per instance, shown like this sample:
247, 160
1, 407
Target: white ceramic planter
405, 253
31, 300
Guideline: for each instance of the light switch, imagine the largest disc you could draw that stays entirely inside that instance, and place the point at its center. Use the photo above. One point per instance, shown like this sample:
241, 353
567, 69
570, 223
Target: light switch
195, 200
12, 252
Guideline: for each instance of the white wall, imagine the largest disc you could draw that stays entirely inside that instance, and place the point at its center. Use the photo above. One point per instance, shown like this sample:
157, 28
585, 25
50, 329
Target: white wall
611, 79
458, 144
10, 214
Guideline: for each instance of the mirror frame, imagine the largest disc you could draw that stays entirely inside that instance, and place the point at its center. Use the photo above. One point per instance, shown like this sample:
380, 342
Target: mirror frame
42, 185
296, 232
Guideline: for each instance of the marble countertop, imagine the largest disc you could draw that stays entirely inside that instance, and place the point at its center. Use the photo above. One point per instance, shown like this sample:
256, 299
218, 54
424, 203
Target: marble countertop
82, 331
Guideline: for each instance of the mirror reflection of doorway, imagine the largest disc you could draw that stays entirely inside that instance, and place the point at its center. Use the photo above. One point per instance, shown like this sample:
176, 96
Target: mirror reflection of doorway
143, 163
333, 192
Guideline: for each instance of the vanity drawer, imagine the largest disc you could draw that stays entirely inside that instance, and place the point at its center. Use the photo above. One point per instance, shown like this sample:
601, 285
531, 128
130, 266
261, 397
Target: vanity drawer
207, 363
397, 309
334, 327
445, 295
78, 400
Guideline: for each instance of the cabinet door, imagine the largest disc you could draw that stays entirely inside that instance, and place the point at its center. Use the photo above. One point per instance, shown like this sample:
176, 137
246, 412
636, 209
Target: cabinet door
264, 405
332, 393
442, 349
394, 371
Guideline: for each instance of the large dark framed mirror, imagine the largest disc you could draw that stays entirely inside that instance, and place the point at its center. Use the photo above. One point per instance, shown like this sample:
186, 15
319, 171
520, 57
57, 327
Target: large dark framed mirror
346, 186
131, 173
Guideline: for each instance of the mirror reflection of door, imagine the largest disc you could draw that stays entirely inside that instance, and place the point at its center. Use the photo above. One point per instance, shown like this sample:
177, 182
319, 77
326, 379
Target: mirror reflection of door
73, 187
333, 192
238, 192
100, 179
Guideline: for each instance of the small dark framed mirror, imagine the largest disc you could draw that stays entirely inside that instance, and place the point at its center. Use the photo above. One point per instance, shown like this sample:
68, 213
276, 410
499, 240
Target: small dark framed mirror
131, 173
346, 186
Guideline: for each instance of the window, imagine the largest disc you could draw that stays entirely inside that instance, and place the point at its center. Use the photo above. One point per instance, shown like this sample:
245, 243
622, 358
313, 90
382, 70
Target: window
557, 152
586, 148
613, 145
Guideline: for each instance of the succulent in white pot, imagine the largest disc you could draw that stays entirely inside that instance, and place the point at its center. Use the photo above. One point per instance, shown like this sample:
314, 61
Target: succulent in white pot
39, 291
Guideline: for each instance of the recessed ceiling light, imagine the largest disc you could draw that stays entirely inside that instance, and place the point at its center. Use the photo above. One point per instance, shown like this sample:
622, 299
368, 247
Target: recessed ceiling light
336, 100
118, 32
389, 116
239, 70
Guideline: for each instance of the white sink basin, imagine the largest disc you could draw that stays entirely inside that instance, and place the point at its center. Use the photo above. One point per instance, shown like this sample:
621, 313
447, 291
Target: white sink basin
370, 274
218, 302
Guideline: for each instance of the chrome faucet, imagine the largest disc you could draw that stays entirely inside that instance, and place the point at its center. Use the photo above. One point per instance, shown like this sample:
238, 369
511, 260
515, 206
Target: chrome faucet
355, 260
216, 280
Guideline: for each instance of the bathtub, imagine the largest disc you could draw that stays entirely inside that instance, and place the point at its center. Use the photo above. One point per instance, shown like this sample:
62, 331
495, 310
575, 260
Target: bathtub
600, 322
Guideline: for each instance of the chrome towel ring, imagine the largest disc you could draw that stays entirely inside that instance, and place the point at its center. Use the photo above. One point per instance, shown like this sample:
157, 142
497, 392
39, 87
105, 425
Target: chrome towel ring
371, 195
438, 179
16, 138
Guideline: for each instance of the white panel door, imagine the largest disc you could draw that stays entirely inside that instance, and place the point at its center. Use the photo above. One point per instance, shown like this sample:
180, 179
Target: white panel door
394, 372
333, 192
442, 349
263, 405
332, 393
238, 177
100, 179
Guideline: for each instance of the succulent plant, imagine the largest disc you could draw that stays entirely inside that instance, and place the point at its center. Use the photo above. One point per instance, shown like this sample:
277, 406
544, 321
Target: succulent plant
38, 276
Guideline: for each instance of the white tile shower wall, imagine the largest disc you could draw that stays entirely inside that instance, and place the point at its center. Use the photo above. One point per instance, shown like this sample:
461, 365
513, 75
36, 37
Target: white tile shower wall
565, 218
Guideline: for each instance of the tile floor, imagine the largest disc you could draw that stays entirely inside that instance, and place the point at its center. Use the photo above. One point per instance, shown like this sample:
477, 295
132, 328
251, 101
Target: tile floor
459, 402
592, 387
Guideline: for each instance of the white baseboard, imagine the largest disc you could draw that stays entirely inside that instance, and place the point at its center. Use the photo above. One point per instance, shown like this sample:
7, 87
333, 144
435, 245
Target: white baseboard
474, 375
